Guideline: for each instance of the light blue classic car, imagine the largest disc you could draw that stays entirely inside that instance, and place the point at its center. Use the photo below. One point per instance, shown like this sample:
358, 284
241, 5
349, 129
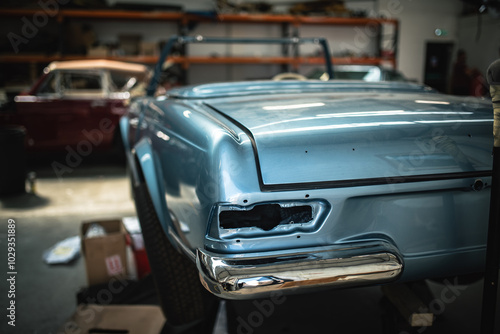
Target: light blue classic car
265, 187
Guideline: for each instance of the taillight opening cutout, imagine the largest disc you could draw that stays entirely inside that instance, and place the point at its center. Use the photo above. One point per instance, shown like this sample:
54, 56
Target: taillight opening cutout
266, 216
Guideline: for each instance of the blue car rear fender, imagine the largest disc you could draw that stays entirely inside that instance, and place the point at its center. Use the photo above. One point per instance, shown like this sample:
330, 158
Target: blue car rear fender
124, 129
143, 164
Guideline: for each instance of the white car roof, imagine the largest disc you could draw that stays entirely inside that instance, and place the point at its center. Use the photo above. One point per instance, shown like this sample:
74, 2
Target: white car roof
96, 64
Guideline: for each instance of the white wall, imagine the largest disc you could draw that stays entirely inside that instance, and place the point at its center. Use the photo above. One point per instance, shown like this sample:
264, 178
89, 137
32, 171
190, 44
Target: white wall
418, 21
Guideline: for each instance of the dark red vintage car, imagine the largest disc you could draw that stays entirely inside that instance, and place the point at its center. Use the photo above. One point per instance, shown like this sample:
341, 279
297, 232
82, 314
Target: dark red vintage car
78, 102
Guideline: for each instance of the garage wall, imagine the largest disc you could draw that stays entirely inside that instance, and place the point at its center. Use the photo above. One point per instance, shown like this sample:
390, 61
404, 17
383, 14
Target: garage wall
418, 18
340, 39
278, 5
418, 21
480, 38
186, 4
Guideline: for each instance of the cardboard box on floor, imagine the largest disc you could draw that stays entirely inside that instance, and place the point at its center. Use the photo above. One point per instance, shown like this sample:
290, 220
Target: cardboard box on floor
105, 256
130, 319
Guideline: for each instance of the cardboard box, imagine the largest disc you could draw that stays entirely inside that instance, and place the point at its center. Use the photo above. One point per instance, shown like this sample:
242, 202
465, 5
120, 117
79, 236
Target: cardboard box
131, 319
105, 256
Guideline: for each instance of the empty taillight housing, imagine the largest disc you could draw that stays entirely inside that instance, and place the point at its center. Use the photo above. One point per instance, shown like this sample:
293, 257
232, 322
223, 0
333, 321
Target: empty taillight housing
260, 219
265, 216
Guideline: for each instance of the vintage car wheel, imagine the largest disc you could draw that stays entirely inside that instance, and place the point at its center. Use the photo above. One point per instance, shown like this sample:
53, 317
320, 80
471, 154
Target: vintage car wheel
187, 306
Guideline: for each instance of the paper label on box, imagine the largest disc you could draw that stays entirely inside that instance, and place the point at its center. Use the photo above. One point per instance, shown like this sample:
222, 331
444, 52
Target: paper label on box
132, 224
114, 265
138, 241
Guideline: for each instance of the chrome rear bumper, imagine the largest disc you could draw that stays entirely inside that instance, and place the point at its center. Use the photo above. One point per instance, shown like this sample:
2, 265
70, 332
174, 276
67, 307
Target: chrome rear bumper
246, 276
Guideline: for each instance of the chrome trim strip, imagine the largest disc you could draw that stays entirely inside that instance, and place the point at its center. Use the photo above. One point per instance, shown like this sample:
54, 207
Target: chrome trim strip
246, 276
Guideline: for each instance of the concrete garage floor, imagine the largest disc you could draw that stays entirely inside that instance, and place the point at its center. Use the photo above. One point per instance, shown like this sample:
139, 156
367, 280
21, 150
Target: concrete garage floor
357, 310
46, 295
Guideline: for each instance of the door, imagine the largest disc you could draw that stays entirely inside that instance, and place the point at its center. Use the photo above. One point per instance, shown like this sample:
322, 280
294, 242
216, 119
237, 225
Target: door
83, 102
56, 115
437, 63
35, 113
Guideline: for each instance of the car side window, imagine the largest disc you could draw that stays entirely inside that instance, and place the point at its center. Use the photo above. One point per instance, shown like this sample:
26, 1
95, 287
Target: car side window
81, 83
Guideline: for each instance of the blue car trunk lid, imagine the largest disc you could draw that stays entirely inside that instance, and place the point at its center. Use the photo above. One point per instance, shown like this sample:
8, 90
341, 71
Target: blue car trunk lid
340, 137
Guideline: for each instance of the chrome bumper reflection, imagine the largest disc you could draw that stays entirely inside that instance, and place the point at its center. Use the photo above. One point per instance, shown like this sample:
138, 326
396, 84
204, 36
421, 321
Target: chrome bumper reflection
245, 276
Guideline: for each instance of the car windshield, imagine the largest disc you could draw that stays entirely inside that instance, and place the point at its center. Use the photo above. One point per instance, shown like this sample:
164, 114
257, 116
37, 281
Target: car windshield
359, 72
369, 75
394, 76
